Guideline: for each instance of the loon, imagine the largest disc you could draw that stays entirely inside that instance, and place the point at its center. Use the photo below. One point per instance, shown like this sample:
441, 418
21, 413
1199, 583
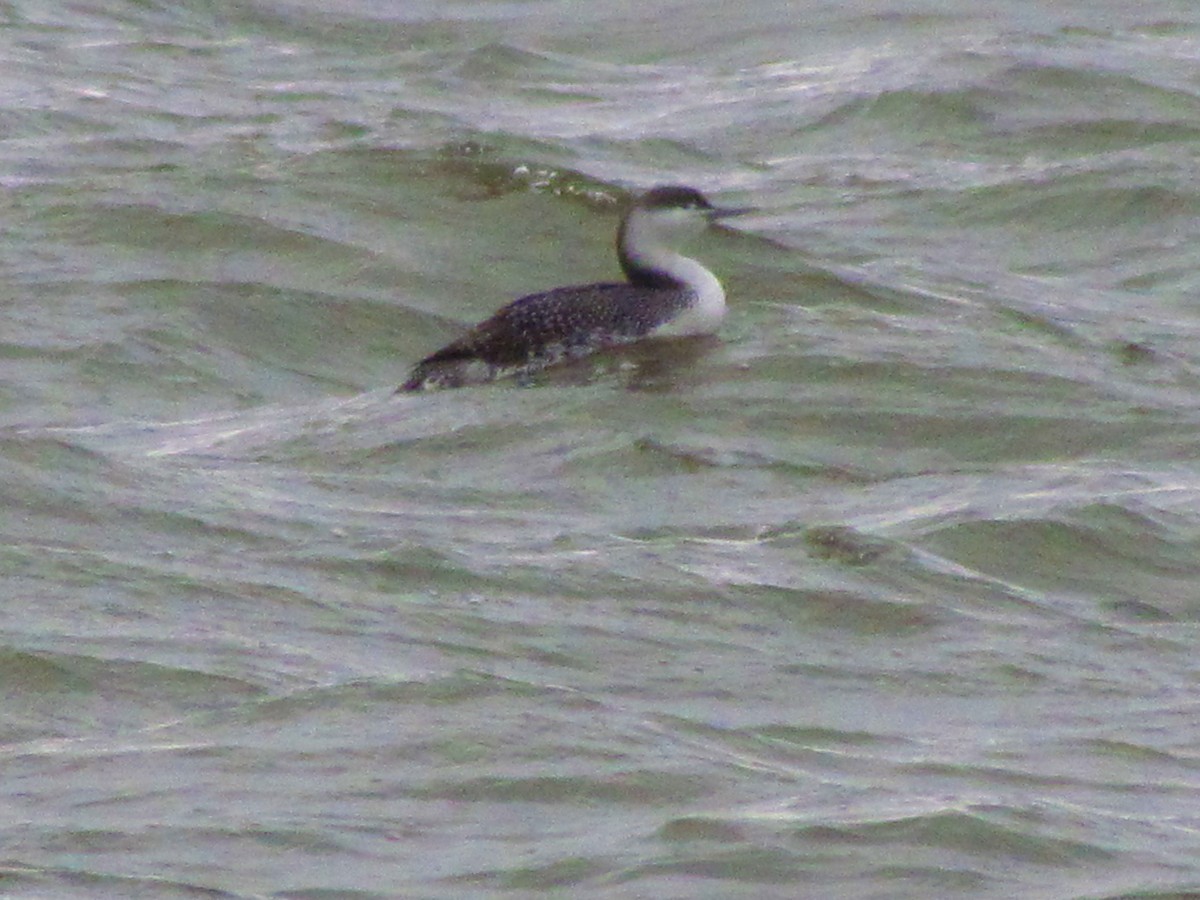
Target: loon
666, 294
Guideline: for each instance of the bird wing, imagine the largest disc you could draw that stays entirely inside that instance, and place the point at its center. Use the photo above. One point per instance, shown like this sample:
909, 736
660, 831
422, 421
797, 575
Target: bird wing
591, 315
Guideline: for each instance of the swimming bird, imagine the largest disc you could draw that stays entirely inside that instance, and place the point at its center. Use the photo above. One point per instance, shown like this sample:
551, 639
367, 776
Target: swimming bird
664, 294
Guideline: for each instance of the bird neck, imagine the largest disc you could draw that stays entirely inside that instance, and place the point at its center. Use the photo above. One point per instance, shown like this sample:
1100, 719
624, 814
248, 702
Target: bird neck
647, 261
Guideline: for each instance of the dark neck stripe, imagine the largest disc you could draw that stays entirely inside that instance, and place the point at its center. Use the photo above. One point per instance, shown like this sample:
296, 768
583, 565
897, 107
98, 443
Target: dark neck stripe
642, 275
649, 278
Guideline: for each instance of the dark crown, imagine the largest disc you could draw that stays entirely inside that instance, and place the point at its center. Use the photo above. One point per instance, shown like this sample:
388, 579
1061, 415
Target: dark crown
673, 196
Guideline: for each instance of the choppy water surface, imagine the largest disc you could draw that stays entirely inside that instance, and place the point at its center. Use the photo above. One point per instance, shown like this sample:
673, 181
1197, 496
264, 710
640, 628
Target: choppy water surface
891, 591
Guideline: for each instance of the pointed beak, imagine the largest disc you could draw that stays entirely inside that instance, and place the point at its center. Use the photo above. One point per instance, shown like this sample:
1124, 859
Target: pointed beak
727, 212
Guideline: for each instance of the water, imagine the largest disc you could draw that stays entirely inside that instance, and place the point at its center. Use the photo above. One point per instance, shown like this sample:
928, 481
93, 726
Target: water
890, 591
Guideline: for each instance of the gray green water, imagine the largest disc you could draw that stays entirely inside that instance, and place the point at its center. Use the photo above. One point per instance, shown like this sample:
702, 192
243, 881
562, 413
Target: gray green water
891, 591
